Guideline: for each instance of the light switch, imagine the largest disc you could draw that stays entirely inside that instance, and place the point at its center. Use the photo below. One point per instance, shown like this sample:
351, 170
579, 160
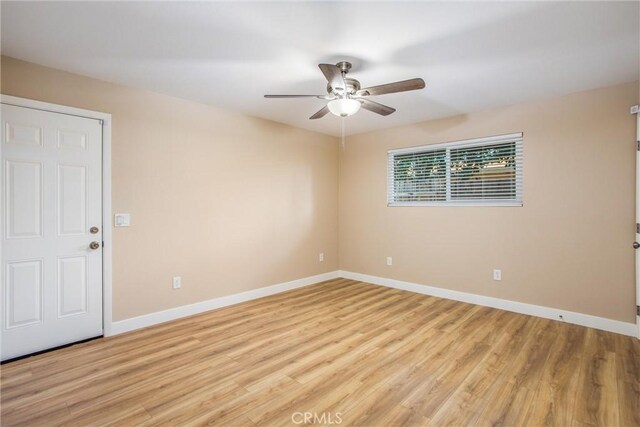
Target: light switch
123, 220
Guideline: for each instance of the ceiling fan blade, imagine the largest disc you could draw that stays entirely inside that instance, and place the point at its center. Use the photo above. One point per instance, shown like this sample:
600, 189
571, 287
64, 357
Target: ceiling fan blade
333, 75
383, 110
403, 86
321, 113
295, 96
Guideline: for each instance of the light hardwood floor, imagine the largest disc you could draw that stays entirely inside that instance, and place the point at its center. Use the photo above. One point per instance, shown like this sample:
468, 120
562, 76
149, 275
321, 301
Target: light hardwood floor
364, 354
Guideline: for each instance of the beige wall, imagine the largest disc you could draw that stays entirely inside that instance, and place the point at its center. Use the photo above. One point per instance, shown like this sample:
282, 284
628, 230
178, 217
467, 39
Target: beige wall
232, 203
569, 247
228, 202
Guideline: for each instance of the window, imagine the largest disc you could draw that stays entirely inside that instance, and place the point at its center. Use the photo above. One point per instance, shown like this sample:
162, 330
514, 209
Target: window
484, 171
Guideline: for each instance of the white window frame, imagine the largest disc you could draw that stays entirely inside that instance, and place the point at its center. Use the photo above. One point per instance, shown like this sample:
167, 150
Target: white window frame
468, 143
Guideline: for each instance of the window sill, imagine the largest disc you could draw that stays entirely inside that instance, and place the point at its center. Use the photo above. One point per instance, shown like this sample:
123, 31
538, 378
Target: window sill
486, 203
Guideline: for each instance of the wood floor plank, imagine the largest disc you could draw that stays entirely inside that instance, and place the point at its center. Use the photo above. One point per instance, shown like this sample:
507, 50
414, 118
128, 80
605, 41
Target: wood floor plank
597, 398
628, 378
372, 355
557, 389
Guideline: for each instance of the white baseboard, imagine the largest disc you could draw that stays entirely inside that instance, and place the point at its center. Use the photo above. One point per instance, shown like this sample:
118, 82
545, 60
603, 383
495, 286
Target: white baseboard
199, 307
624, 328
601, 323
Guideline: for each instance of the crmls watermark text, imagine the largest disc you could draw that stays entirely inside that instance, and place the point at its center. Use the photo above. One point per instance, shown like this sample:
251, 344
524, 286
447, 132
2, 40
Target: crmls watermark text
323, 418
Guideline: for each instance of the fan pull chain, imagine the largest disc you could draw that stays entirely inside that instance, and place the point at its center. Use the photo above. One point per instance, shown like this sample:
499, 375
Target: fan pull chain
342, 118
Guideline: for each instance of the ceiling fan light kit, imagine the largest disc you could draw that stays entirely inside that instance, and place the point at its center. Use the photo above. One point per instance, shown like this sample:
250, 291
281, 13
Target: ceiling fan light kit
345, 96
344, 107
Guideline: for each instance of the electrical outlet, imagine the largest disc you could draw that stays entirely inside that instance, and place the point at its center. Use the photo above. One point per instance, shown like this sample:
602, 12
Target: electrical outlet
177, 282
497, 275
321, 257
634, 110
389, 260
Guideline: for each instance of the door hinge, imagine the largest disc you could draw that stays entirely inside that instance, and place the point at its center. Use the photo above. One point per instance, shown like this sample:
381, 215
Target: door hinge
637, 310
638, 145
637, 228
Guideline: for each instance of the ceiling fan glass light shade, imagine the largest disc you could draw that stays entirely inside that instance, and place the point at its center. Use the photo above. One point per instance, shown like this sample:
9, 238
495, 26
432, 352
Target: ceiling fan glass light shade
344, 107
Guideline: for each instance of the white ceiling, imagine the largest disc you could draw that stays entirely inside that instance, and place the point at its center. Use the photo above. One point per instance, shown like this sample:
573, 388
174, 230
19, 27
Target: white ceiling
473, 55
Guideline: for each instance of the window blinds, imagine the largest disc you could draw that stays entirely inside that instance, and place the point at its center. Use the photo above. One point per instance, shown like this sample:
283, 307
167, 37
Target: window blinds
484, 171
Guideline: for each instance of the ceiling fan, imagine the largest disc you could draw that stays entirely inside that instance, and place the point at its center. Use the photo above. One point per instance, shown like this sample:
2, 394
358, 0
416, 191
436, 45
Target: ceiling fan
345, 95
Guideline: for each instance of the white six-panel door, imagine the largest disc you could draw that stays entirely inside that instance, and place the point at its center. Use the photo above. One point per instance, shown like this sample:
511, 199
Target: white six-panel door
51, 194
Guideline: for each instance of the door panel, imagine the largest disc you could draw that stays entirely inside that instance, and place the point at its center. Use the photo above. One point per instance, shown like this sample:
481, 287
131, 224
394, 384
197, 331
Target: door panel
52, 288
17, 133
72, 285
72, 140
72, 199
23, 294
23, 186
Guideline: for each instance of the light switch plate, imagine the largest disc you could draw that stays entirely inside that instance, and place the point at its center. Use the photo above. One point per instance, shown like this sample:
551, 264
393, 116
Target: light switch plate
122, 220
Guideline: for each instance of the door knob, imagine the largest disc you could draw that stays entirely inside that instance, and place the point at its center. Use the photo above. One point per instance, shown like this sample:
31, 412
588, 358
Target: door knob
94, 230
94, 245
636, 245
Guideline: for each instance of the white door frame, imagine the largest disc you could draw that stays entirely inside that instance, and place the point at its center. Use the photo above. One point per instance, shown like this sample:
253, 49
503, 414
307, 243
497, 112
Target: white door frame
106, 190
634, 110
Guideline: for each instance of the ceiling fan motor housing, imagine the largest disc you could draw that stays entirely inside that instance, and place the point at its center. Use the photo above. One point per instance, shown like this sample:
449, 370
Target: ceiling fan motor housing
352, 87
352, 84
